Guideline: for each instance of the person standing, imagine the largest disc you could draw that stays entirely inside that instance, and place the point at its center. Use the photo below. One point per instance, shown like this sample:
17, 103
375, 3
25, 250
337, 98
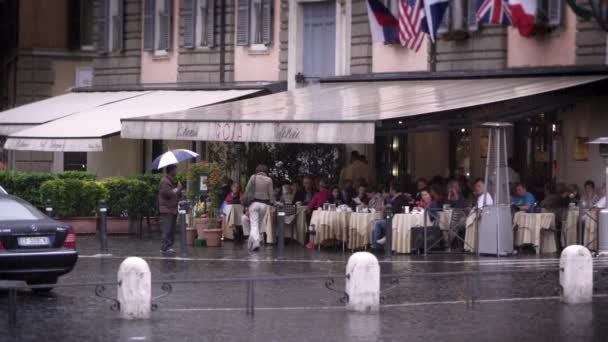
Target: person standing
169, 193
261, 185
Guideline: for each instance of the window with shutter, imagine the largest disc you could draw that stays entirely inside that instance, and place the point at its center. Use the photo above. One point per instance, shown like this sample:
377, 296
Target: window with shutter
118, 26
102, 25
209, 37
267, 19
444, 27
74, 13
149, 27
471, 18
242, 25
554, 12
255, 29
165, 11
189, 17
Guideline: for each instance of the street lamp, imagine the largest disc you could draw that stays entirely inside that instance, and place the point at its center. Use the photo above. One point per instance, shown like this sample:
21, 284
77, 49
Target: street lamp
603, 215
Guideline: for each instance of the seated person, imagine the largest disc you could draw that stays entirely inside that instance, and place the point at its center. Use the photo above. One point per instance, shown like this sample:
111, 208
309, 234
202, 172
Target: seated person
397, 200
523, 200
455, 196
376, 199
287, 194
305, 194
479, 189
320, 197
361, 200
336, 196
235, 195
348, 192
589, 197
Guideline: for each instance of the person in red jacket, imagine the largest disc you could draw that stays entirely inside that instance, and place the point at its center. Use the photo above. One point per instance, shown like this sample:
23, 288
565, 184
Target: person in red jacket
320, 197
235, 195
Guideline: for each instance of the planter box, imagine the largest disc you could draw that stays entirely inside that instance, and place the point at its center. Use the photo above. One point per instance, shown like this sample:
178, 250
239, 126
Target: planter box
82, 225
88, 225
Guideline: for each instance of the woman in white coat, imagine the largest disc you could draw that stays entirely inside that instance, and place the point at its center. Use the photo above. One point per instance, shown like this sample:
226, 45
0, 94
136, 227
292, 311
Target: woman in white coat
261, 185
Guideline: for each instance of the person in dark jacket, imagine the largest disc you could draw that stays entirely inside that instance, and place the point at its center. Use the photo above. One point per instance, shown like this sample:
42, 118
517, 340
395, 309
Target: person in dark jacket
396, 202
305, 194
169, 193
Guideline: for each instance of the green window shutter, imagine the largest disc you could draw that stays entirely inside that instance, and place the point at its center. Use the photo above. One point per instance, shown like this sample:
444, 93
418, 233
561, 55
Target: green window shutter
102, 20
267, 21
149, 18
166, 26
242, 24
210, 23
189, 11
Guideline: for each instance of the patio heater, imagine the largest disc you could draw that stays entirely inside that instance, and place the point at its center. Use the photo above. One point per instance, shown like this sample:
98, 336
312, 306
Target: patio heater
603, 214
495, 233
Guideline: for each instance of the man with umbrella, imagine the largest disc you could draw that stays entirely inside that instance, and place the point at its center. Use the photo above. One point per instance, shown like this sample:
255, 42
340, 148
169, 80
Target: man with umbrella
169, 193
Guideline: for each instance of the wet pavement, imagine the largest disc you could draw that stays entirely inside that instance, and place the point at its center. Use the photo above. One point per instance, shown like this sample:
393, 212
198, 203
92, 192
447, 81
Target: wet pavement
521, 302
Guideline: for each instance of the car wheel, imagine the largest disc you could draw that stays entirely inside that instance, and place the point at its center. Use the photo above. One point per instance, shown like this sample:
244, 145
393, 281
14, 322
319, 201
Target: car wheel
43, 281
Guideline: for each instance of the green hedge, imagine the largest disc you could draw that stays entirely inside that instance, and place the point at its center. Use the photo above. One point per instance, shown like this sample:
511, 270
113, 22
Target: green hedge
76, 193
73, 197
81, 175
127, 196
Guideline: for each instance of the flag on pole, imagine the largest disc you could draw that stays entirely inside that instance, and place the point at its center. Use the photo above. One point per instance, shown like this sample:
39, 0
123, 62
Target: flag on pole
495, 12
578, 10
382, 22
434, 10
523, 13
411, 16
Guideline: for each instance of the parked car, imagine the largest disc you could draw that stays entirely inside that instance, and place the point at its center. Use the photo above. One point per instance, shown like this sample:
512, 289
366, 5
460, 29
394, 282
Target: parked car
2, 191
33, 247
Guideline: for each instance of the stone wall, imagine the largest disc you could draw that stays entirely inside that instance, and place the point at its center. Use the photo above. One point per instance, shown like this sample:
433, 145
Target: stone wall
202, 65
122, 68
590, 43
482, 50
361, 39
35, 79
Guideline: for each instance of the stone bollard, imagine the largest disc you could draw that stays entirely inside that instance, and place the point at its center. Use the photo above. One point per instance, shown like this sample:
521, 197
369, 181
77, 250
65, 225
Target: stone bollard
134, 289
363, 282
576, 275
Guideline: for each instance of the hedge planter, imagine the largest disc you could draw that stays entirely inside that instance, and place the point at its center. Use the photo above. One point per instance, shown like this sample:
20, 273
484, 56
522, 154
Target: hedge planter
119, 225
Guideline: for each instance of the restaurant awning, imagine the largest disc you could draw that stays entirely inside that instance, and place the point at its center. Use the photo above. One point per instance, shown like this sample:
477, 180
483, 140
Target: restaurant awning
338, 112
36, 113
85, 130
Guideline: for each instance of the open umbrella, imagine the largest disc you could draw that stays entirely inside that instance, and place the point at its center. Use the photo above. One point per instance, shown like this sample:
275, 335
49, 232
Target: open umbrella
172, 157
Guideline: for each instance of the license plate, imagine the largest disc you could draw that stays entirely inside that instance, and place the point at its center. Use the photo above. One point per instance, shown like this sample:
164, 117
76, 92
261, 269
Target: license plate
33, 241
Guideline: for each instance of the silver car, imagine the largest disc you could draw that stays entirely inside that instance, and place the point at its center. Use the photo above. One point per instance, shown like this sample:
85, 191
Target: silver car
2, 191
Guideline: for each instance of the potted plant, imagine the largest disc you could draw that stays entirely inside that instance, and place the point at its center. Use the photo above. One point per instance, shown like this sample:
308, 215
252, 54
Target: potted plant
206, 177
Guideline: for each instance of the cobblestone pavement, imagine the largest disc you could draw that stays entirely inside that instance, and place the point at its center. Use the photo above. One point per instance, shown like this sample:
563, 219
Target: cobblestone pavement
513, 305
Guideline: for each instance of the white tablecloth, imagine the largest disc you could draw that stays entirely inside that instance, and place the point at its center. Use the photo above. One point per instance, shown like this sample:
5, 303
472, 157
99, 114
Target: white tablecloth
297, 224
360, 229
330, 225
232, 217
534, 229
589, 219
470, 237
402, 224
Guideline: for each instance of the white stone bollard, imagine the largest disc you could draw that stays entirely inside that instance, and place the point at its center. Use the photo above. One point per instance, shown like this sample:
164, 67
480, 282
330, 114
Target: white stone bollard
576, 275
363, 282
134, 289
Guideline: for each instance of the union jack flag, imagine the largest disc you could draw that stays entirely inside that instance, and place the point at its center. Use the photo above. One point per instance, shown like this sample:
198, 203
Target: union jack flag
494, 12
411, 15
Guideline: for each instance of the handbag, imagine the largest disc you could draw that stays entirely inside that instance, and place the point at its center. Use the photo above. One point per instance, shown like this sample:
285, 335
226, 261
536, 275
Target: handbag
249, 195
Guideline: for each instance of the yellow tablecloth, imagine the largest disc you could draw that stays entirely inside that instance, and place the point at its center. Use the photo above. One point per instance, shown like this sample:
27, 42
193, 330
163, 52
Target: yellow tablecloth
297, 224
360, 228
269, 224
470, 237
589, 219
232, 217
330, 225
445, 219
534, 229
402, 224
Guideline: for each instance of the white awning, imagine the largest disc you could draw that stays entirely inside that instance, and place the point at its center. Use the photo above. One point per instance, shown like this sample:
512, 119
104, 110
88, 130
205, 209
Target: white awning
85, 130
337, 112
36, 113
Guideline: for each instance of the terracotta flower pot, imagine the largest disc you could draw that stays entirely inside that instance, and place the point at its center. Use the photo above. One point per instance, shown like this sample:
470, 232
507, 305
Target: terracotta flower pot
190, 235
213, 237
200, 224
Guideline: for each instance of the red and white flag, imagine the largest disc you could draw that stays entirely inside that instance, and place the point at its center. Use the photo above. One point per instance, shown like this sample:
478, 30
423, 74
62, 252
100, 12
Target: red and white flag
411, 15
523, 13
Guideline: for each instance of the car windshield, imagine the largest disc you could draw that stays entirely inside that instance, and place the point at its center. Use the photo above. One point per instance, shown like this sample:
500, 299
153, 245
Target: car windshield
15, 210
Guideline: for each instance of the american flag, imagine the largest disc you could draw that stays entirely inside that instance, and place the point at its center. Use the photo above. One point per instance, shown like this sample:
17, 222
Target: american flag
411, 15
494, 12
